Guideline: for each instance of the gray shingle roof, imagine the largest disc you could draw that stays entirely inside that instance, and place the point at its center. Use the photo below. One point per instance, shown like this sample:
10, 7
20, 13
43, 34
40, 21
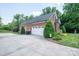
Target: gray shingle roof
39, 18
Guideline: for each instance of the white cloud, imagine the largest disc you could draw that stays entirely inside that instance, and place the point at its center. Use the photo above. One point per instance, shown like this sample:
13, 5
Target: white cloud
36, 13
6, 22
59, 6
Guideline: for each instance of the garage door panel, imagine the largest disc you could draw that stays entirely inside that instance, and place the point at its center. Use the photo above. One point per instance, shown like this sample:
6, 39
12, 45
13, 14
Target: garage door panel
37, 31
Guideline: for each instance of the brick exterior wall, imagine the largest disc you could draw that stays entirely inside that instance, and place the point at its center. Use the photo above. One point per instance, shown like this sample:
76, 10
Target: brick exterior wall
56, 25
39, 24
28, 27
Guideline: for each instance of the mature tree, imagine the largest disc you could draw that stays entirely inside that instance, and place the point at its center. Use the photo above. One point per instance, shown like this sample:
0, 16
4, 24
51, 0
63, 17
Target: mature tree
26, 17
51, 10
70, 17
0, 21
22, 19
46, 10
19, 19
30, 17
13, 24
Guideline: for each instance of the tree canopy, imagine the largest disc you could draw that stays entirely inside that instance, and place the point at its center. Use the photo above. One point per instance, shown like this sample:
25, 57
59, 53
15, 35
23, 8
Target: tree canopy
51, 10
20, 18
70, 17
0, 21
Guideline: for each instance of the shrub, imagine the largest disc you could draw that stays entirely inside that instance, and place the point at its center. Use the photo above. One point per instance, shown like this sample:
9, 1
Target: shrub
48, 30
57, 36
15, 29
22, 30
5, 27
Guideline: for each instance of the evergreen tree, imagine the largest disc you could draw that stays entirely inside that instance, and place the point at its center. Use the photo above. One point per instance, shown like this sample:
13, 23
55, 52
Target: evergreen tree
48, 30
22, 30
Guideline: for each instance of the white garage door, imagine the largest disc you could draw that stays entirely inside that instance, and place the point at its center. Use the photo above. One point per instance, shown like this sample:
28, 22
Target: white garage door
37, 31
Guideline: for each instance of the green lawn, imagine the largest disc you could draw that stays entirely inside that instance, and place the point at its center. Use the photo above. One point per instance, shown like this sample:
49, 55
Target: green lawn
71, 40
4, 31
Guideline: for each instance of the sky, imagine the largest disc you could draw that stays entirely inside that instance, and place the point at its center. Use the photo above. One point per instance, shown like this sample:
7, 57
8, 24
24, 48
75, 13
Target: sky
8, 10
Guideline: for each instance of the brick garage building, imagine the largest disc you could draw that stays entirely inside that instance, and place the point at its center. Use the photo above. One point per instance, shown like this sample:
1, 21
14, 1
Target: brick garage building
37, 24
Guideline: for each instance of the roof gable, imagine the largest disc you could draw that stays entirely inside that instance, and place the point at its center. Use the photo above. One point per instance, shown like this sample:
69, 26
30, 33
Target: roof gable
39, 18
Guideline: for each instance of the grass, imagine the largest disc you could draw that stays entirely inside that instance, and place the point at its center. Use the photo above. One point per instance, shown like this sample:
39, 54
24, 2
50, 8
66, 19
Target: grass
4, 31
71, 40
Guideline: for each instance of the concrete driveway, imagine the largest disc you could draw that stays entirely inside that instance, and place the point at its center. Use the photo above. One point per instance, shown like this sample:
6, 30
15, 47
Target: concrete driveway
31, 45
